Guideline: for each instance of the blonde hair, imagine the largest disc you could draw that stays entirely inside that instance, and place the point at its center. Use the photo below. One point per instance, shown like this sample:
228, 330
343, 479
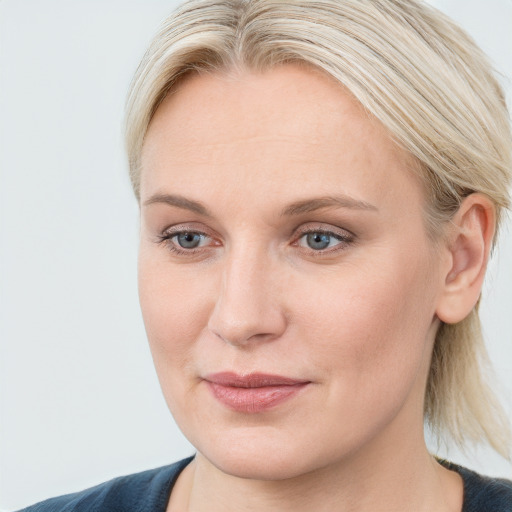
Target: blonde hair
415, 71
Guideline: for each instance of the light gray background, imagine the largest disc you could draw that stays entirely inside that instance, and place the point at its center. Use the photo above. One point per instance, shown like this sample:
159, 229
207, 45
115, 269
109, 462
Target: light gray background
79, 399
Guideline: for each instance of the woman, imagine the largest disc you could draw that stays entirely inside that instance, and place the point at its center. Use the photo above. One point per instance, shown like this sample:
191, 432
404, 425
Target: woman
320, 186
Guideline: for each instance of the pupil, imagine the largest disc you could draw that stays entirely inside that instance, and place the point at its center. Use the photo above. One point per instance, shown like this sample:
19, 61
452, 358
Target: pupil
189, 240
318, 240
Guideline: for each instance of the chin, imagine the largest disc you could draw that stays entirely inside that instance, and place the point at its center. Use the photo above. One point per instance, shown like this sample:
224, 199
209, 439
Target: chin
262, 457
258, 467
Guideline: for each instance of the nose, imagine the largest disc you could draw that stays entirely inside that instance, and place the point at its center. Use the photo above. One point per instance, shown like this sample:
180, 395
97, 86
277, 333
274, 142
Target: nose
247, 308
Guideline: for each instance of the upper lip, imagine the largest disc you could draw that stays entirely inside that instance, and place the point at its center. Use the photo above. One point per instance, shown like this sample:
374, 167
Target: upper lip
252, 380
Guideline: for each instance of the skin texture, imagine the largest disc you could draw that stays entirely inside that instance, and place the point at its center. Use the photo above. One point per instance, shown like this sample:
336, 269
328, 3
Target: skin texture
356, 320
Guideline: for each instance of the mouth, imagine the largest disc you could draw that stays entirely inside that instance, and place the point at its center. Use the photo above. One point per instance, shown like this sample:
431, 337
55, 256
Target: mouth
253, 393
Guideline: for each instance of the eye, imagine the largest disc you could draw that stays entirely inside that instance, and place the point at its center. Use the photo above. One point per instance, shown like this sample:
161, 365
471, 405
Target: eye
189, 240
323, 241
185, 242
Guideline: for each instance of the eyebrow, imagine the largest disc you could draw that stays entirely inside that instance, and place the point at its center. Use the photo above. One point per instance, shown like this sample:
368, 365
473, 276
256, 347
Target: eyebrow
179, 202
318, 203
296, 208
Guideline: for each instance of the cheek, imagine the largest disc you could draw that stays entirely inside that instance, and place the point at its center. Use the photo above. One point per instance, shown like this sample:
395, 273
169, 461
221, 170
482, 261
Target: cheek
369, 324
175, 306
175, 310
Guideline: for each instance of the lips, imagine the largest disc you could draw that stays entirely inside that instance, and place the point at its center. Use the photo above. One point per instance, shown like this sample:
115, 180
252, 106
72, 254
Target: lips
253, 393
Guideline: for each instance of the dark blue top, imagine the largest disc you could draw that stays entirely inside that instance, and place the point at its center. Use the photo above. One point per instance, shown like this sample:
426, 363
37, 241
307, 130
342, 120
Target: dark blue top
481, 493
149, 491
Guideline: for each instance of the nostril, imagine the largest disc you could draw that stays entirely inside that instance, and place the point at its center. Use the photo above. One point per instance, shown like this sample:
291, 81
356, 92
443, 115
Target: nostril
238, 340
263, 325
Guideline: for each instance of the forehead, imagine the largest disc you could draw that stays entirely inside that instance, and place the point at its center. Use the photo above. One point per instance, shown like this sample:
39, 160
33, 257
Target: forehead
289, 100
291, 126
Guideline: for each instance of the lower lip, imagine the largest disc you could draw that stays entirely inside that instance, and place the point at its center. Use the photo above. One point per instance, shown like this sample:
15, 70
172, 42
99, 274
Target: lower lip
254, 400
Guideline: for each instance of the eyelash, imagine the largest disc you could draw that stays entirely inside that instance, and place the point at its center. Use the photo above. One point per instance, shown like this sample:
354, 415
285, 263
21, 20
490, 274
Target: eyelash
344, 239
166, 238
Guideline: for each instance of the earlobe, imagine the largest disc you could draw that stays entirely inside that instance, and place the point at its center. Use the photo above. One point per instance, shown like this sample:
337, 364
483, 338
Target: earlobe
468, 244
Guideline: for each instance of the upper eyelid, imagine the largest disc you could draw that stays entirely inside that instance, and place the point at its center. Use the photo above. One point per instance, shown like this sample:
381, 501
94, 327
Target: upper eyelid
307, 227
168, 235
324, 228
334, 230
185, 228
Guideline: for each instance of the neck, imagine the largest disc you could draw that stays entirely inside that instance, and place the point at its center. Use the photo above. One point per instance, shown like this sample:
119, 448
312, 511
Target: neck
403, 478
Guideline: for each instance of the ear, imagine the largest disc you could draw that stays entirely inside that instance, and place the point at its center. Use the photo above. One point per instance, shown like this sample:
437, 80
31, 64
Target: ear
468, 245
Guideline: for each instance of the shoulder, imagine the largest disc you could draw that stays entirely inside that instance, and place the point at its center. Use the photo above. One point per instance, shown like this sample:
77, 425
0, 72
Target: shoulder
147, 491
482, 493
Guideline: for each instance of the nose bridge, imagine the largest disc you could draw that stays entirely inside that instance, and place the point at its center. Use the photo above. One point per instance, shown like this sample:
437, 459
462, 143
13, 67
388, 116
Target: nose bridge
247, 306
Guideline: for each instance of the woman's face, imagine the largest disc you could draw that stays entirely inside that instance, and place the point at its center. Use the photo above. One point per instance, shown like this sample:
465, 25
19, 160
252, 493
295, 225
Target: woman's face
287, 282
